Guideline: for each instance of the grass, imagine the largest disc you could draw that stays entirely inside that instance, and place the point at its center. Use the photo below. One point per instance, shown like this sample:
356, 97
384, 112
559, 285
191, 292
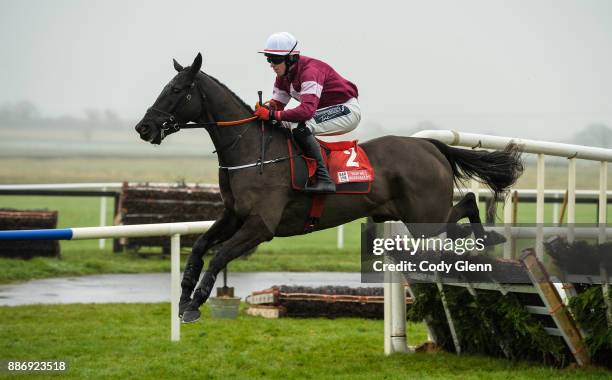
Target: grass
204, 170
305, 253
104, 169
313, 252
117, 341
132, 340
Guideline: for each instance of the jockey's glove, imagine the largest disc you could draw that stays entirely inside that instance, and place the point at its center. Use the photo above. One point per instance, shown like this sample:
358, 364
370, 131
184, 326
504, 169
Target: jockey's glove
264, 112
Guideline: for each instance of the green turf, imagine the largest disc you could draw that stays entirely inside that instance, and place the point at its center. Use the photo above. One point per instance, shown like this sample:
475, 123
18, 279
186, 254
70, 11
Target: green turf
204, 169
86, 169
119, 341
313, 252
305, 253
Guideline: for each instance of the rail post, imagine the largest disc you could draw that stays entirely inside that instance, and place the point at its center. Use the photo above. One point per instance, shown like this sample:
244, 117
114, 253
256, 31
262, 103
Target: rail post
507, 225
102, 241
540, 207
175, 264
395, 301
571, 198
340, 237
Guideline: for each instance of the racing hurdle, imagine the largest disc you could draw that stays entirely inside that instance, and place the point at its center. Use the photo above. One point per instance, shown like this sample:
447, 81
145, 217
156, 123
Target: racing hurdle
103, 190
395, 316
174, 230
541, 149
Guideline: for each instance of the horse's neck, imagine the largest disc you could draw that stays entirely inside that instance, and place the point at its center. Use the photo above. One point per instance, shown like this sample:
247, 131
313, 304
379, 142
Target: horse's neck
223, 105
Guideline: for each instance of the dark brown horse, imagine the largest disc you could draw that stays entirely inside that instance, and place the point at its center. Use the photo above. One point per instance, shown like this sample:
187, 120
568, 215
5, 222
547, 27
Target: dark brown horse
414, 179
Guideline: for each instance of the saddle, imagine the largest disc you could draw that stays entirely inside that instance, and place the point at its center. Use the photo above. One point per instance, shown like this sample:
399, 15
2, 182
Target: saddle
348, 166
347, 163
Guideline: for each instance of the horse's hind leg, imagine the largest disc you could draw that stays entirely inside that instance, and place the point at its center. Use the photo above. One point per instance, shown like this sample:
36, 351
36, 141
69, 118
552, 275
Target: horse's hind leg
219, 232
467, 208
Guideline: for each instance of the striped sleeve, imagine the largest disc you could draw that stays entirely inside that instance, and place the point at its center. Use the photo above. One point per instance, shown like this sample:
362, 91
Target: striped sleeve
310, 94
280, 93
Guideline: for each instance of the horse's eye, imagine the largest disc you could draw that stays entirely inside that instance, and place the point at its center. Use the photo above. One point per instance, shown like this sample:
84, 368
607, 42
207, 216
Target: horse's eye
176, 90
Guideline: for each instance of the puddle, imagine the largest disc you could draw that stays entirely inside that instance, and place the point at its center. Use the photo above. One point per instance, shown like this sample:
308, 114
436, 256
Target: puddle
154, 287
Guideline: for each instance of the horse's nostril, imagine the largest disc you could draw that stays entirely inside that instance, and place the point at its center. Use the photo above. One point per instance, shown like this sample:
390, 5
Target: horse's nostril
142, 128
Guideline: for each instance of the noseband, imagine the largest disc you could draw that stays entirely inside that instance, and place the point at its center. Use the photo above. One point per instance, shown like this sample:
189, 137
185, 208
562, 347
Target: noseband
170, 125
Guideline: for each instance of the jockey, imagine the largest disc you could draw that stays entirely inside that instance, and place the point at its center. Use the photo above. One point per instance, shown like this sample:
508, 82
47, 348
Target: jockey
328, 102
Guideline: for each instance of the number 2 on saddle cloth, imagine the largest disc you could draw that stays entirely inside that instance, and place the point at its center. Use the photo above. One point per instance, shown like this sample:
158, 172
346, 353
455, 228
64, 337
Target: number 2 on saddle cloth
348, 165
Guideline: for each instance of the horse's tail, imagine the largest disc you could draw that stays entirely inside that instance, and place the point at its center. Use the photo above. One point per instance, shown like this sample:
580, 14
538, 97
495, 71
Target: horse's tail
498, 169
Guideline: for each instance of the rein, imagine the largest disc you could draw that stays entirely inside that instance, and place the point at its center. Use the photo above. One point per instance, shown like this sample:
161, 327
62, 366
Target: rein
170, 126
232, 123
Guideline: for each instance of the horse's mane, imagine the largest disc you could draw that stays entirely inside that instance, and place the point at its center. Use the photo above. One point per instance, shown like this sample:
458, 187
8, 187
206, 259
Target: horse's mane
246, 106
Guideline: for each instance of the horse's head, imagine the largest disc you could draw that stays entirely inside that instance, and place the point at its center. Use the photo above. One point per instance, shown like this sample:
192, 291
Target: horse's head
179, 102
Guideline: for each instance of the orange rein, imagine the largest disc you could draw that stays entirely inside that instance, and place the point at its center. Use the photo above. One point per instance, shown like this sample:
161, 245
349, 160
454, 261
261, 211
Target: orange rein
235, 122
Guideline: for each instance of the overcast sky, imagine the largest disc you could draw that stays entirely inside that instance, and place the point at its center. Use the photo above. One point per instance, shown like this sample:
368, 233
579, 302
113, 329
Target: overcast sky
517, 68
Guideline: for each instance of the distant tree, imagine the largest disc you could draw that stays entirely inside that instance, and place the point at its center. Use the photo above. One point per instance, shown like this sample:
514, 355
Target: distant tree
112, 120
596, 134
94, 118
25, 113
21, 112
107, 119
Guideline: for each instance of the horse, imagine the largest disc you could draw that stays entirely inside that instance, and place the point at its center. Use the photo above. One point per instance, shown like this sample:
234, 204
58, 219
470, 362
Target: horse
414, 178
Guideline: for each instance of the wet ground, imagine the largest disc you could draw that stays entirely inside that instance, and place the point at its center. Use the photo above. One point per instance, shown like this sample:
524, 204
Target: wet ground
153, 287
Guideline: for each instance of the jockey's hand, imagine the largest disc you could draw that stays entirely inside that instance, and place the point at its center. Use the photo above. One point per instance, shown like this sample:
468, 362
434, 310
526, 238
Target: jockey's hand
274, 105
263, 112
266, 104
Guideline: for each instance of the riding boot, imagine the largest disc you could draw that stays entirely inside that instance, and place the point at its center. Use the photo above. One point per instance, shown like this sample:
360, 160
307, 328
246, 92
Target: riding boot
310, 147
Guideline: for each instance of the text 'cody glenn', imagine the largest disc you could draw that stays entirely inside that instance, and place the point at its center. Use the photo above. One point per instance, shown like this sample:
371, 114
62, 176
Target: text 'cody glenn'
411, 246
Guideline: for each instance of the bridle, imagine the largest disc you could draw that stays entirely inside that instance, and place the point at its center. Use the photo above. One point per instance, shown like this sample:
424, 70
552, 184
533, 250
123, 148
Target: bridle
171, 125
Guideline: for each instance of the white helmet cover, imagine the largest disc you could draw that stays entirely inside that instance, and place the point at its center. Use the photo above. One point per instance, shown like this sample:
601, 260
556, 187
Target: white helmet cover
282, 43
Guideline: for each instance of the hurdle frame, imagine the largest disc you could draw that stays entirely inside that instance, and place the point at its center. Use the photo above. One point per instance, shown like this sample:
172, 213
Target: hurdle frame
173, 230
541, 149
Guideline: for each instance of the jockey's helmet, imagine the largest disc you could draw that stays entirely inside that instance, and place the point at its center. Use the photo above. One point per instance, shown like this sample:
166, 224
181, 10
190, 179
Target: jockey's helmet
282, 44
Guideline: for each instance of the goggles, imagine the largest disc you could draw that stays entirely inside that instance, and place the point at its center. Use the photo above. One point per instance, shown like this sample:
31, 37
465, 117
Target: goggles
275, 59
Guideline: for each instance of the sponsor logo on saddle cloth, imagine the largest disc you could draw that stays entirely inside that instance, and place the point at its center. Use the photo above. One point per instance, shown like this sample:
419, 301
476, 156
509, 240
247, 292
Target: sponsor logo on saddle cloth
347, 162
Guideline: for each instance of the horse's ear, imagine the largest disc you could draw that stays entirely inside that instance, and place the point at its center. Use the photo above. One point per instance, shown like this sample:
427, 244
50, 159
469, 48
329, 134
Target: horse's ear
196, 65
177, 66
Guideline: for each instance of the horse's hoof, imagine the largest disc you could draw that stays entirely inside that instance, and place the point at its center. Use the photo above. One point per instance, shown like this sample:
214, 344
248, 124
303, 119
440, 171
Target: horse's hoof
183, 306
190, 316
493, 238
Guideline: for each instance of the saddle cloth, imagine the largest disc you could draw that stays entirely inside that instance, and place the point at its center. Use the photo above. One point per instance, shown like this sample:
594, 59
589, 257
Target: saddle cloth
348, 165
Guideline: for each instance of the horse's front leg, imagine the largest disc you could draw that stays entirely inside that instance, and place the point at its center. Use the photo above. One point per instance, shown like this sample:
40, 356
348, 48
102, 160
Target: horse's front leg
219, 232
253, 232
